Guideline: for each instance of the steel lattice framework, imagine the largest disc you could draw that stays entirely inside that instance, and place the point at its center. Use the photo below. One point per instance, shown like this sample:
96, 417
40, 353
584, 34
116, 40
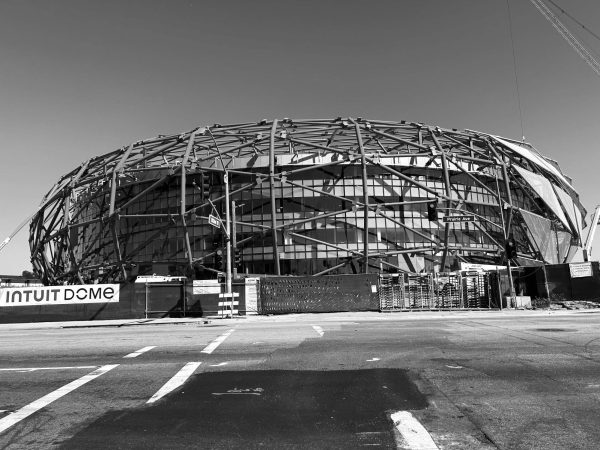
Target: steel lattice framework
312, 197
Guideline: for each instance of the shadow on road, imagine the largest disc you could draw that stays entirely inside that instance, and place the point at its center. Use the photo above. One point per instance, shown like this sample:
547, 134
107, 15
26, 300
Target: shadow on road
269, 409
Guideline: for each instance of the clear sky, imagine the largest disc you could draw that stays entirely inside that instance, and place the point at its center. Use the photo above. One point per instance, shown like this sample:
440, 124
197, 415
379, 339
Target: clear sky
80, 78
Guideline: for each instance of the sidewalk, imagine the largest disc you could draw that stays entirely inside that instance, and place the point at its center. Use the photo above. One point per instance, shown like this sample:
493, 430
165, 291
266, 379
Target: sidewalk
306, 317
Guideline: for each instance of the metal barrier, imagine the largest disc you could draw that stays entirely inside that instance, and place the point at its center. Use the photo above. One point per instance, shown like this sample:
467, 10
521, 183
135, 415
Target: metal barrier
391, 292
404, 292
476, 290
448, 291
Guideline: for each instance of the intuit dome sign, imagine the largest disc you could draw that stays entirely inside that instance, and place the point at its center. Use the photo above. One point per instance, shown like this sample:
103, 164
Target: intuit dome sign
59, 295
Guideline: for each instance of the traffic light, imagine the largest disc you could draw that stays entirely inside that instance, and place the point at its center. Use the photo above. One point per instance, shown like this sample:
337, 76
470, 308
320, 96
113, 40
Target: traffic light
204, 185
511, 248
432, 214
219, 263
237, 257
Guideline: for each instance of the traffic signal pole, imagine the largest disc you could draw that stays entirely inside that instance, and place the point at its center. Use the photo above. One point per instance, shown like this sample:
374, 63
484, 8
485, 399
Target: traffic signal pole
233, 237
228, 293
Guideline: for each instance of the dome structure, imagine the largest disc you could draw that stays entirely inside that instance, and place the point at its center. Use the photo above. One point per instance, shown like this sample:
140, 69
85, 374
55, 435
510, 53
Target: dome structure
306, 197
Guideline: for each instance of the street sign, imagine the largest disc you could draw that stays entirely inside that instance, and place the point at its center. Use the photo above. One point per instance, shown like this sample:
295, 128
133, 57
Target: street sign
458, 219
214, 221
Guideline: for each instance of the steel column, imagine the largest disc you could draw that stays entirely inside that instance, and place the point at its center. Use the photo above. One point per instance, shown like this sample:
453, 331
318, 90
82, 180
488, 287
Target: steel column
273, 199
365, 182
182, 212
447, 186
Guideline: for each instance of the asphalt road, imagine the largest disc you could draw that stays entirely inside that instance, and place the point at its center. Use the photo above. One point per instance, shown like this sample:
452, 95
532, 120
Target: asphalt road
408, 380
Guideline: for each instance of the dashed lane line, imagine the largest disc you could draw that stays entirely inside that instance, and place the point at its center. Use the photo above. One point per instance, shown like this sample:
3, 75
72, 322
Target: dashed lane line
319, 330
33, 369
413, 435
139, 352
218, 341
178, 380
44, 401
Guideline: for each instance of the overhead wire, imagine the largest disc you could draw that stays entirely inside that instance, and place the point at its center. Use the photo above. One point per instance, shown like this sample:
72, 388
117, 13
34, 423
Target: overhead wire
579, 35
512, 40
579, 48
561, 9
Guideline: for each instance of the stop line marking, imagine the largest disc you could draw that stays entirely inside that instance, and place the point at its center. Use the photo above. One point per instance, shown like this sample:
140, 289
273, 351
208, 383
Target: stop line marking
178, 380
414, 435
218, 341
139, 352
44, 401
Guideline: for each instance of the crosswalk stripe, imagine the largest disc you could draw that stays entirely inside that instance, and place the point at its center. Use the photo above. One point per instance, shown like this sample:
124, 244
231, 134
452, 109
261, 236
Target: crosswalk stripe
414, 435
218, 341
44, 401
178, 380
139, 352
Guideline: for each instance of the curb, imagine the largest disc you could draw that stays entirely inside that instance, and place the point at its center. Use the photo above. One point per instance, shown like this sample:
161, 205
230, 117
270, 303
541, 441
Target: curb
304, 317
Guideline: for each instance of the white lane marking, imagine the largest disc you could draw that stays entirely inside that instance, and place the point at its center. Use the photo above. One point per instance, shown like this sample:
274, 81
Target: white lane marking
33, 369
414, 435
319, 330
372, 359
218, 365
218, 341
139, 352
178, 379
454, 367
44, 401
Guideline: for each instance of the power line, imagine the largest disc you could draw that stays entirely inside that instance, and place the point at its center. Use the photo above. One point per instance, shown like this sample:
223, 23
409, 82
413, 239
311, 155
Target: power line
567, 35
515, 69
574, 20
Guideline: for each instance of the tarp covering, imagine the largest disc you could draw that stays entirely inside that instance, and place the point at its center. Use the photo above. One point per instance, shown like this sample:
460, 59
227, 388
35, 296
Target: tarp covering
572, 210
543, 188
540, 233
564, 244
575, 254
534, 158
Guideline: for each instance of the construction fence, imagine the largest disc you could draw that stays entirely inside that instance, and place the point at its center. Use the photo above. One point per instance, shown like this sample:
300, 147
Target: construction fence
284, 295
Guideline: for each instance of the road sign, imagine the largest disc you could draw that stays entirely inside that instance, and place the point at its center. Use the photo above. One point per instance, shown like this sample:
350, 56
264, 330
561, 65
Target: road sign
459, 219
214, 221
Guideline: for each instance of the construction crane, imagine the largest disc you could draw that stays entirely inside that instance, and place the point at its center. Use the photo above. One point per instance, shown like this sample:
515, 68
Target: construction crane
587, 248
567, 36
21, 225
595, 65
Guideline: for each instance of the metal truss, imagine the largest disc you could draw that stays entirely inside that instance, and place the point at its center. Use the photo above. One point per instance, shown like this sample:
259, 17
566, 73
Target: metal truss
82, 225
